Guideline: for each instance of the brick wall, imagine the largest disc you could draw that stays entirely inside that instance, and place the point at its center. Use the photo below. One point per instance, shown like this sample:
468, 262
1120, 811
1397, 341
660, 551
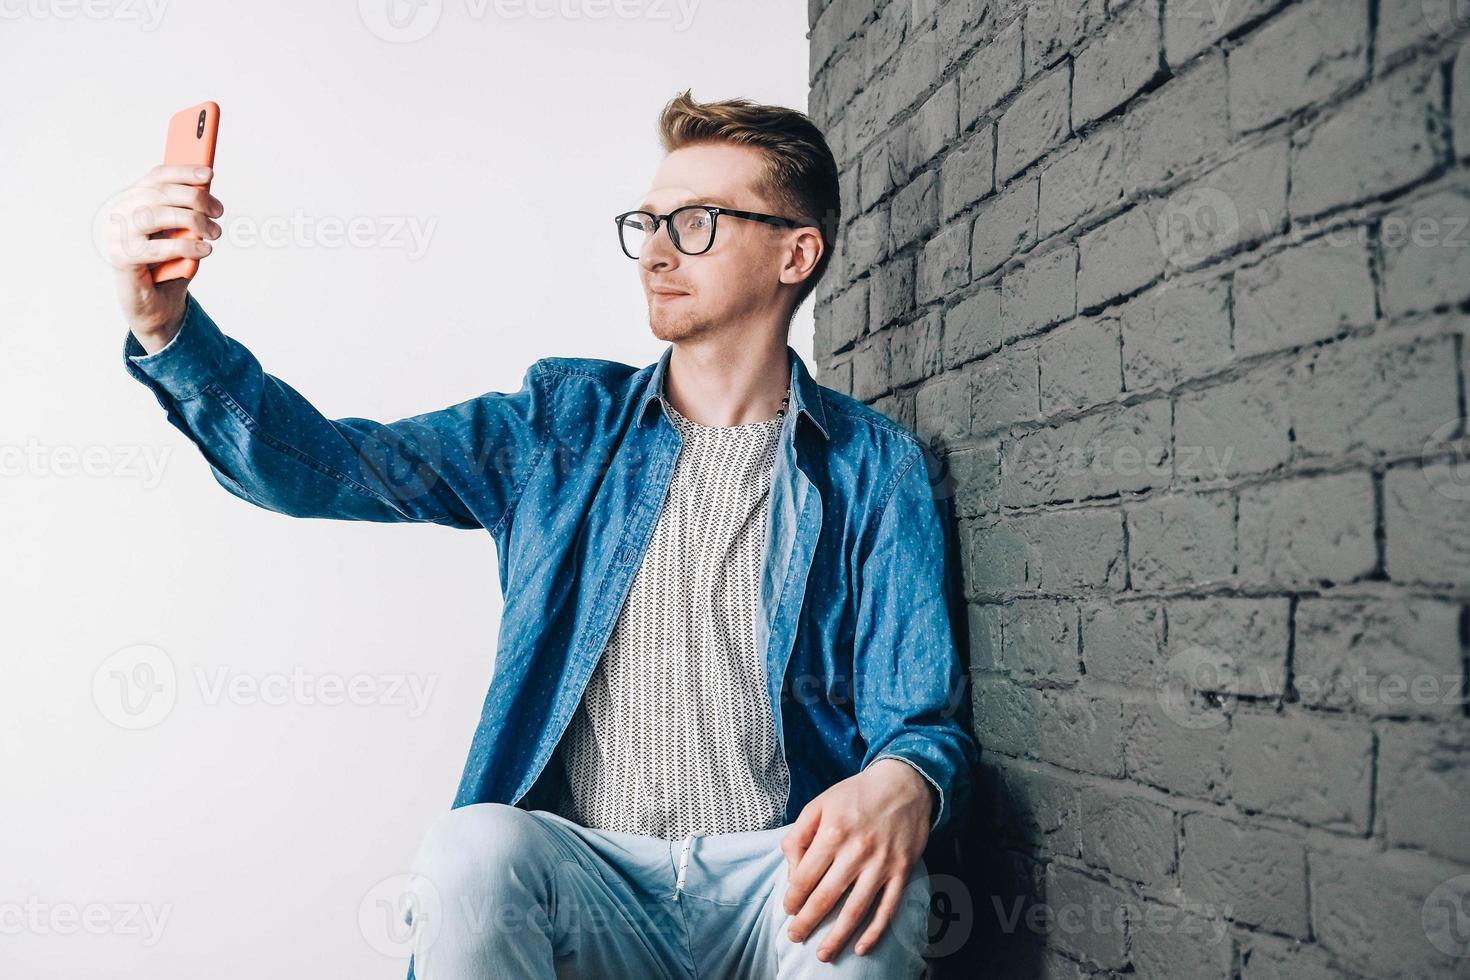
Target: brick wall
1178, 291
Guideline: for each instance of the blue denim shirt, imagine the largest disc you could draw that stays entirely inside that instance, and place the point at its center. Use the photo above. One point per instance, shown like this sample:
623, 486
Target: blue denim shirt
858, 593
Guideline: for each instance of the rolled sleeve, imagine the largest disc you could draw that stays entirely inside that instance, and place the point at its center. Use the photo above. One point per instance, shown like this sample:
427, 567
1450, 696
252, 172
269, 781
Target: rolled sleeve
461, 466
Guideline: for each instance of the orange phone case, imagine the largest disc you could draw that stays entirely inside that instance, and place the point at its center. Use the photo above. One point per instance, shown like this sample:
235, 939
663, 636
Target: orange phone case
191, 137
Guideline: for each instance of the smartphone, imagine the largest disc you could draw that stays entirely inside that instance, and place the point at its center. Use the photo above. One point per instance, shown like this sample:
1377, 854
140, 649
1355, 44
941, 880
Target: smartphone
191, 138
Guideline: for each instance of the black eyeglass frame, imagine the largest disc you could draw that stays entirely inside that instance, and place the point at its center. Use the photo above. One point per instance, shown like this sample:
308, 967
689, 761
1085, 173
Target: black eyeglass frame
714, 223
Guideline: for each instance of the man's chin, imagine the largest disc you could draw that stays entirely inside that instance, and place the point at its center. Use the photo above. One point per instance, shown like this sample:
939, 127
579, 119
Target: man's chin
673, 329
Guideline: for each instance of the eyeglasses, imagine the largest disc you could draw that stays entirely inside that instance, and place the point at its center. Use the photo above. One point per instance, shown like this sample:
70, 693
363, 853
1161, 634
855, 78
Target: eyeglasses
691, 228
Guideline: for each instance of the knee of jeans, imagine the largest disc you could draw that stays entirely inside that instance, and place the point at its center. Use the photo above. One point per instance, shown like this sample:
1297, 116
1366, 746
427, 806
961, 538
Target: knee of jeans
476, 848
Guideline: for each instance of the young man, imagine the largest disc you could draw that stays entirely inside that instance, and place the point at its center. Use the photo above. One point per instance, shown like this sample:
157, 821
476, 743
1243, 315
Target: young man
727, 713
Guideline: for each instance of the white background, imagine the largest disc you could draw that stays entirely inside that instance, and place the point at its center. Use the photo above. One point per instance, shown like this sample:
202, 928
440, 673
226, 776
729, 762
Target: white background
259, 831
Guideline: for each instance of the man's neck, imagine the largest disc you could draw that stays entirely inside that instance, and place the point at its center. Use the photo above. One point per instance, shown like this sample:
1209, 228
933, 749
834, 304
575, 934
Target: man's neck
728, 384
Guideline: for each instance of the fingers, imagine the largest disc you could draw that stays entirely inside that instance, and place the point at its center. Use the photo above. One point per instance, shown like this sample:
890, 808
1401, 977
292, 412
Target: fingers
854, 907
178, 173
822, 899
182, 195
796, 840
893, 890
809, 871
131, 227
154, 250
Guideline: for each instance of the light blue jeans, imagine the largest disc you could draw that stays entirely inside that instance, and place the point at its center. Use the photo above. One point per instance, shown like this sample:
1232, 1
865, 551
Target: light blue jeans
503, 892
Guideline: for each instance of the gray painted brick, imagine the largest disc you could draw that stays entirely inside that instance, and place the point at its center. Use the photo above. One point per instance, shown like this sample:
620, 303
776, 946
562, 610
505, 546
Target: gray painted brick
1128, 835
991, 74
1403, 25
1011, 712
1175, 332
1377, 141
915, 210
1081, 364
1303, 294
848, 316
870, 368
1308, 769
891, 293
972, 327
1119, 257
1259, 874
1067, 550
944, 265
1005, 389
1380, 657
1005, 226
1040, 641
1081, 733
1427, 538
864, 243
1082, 182
968, 174
1039, 808
1368, 910
1426, 250
1243, 641
1267, 957
1121, 642
976, 470
1115, 66
1302, 56
1160, 750
1181, 539
1190, 26
1308, 530
1177, 125
1124, 450
1168, 942
1039, 293
1035, 122
1460, 100
934, 126
1233, 429
1237, 203
1374, 393
914, 351
1425, 777
942, 408
1053, 28
1096, 915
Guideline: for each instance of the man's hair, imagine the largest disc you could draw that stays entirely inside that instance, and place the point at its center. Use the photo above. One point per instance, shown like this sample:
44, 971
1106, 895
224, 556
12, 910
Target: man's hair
800, 178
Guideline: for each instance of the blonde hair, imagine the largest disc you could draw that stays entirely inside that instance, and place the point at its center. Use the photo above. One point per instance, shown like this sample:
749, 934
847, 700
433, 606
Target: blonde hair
800, 178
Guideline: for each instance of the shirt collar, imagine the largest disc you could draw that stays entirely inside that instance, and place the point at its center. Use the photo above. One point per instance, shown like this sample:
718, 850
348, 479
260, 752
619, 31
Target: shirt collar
805, 398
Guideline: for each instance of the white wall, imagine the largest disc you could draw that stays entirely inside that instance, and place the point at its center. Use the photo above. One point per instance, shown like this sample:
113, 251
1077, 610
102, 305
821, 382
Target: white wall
259, 831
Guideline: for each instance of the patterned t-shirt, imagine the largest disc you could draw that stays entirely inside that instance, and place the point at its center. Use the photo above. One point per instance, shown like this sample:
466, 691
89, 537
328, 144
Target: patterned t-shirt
674, 734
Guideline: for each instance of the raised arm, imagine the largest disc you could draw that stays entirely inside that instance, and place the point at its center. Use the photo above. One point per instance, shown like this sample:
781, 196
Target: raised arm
461, 466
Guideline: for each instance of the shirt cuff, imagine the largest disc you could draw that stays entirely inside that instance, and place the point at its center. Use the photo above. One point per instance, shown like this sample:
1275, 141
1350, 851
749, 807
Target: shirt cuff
189, 361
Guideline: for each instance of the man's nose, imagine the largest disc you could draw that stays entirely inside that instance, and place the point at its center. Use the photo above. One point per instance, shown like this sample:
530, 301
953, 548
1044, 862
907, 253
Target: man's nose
658, 251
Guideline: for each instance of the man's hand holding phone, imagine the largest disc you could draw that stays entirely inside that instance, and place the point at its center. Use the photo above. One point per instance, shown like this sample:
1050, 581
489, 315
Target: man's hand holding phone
170, 196
158, 229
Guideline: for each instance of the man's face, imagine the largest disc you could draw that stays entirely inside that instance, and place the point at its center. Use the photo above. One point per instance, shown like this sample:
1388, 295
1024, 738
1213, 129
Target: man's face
738, 281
